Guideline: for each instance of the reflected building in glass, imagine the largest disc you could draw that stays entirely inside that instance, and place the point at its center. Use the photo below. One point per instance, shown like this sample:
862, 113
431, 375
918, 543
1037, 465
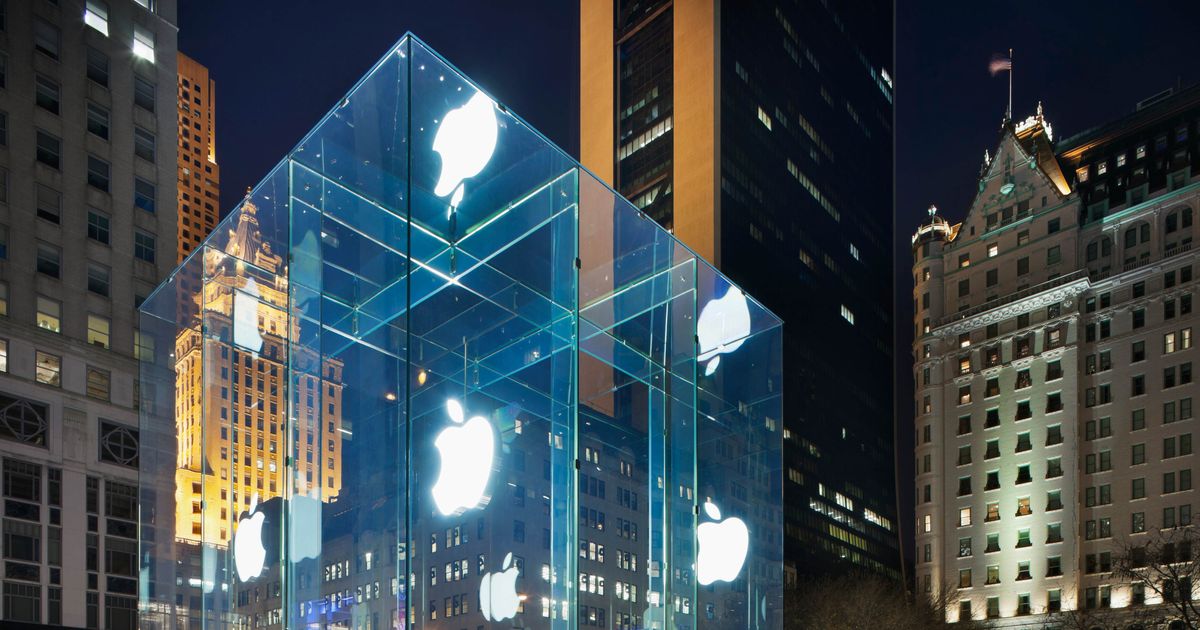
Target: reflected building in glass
432, 373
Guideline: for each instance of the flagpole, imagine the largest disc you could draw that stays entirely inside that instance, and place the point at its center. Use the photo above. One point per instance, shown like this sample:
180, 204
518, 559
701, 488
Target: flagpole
1010, 83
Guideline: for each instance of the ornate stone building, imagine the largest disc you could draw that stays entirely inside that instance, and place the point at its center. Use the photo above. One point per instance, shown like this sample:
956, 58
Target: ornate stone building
1053, 365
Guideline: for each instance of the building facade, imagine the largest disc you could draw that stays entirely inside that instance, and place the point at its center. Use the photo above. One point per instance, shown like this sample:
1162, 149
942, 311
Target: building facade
1053, 366
199, 175
431, 373
87, 221
760, 135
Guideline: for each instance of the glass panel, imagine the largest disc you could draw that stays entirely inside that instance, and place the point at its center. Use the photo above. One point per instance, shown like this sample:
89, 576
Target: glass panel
347, 371
492, 333
739, 439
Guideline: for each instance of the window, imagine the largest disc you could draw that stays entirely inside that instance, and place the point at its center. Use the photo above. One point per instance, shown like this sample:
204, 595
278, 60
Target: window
1023, 507
1023, 266
49, 260
98, 382
1054, 468
46, 38
49, 149
98, 330
1054, 435
143, 144
993, 543
118, 444
964, 486
143, 93
49, 204
1054, 533
97, 173
143, 43
1138, 454
97, 66
98, 228
23, 602
964, 517
46, 93
95, 15
143, 195
49, 369
143, 247
1137, 488
97, 120
49, 314
847, 314
98, 279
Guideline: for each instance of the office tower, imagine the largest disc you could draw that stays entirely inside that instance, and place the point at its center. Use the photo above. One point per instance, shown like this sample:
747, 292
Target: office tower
1053, 365
760, 134
199, 175
88, 230
552, 414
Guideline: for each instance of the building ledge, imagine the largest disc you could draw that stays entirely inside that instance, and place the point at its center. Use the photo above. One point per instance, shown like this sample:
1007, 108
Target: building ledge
1025, 300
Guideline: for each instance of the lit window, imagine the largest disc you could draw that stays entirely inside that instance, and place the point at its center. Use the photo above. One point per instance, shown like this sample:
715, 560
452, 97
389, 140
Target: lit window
1081, 174
98, 331
964, 517
49, 314
1102, 168
1120, 160
3, 355
854, 252
98, 382
95, 15
764, 118
4, 299
847, 314
49, 369
143, 43
143, 346
993, 250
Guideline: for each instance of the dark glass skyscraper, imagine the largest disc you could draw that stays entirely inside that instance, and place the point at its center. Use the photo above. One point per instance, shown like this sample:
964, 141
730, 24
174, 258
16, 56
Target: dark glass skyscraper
761, 135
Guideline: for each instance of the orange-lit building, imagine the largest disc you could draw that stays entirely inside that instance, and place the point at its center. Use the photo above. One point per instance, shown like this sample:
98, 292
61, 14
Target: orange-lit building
199, 175
231, 434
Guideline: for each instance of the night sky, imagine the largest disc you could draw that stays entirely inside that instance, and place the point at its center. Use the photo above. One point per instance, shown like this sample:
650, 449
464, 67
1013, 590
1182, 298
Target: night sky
1088, 62
280, 66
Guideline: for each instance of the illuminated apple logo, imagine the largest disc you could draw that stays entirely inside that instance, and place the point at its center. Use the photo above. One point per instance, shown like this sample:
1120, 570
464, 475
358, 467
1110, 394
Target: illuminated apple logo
249, 555
724, 324
245, 317
723, 546
498, 599
466, 452
465, 141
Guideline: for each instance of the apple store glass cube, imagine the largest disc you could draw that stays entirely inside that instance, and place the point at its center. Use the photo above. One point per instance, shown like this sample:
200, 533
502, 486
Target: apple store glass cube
431, 373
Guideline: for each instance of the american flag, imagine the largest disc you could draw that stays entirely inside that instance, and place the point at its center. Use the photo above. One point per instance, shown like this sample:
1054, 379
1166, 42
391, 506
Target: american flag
999, 64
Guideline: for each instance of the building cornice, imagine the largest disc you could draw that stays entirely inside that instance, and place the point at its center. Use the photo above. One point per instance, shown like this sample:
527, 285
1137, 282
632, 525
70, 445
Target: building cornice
1058, 290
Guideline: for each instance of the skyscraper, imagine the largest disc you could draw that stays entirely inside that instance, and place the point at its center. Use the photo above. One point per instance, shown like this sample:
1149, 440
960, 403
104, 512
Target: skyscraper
87, 229
761, 136
199, 174
1054, 366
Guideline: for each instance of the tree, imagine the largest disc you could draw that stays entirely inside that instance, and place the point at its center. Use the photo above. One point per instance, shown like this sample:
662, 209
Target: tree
864, 601
1164, 563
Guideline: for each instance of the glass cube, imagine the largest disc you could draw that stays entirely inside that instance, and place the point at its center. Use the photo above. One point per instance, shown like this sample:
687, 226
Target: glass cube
432, 373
